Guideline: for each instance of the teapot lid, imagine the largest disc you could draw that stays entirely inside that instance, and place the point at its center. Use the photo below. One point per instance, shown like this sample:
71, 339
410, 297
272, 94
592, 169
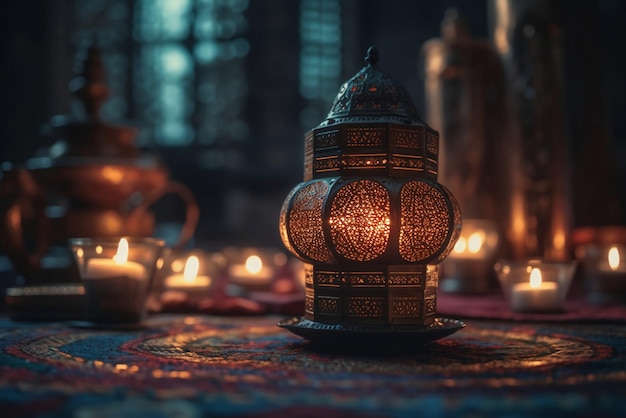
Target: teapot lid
86, 138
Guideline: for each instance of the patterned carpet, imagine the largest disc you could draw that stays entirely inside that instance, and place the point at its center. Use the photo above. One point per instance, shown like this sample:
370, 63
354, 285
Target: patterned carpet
201, 366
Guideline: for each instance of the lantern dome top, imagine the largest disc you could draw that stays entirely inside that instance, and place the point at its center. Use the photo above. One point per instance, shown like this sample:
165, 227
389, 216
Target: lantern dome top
371, 93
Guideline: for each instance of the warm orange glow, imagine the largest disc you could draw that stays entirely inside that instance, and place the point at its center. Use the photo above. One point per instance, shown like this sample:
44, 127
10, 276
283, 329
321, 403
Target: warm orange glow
460, 246
503, 12
113, 174
535, 278
254, 264
614, 258
558, 241
475, 242
121, 256
191, 269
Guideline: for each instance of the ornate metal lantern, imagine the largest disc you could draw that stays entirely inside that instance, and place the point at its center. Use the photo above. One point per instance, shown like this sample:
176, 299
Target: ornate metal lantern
370, 219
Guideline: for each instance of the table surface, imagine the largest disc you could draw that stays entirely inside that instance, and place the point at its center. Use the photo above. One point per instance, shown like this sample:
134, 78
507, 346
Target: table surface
200, 366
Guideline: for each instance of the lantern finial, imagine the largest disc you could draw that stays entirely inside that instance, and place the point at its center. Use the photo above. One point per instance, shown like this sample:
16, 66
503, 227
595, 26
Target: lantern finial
372, 56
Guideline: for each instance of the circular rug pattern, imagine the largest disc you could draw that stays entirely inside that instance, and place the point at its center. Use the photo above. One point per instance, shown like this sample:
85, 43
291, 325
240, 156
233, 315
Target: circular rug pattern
249, 364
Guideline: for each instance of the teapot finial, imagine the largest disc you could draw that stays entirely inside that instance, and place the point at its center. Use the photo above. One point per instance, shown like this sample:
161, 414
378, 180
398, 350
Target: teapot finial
89, 85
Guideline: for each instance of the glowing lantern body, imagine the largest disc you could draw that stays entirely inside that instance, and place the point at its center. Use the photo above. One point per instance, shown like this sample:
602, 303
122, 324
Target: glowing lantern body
370, 218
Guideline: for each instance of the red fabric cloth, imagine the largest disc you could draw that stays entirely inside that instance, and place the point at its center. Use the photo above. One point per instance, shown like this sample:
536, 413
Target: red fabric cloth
494, 306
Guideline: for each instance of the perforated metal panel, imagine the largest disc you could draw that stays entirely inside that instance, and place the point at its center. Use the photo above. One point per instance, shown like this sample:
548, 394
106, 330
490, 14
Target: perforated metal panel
360, 221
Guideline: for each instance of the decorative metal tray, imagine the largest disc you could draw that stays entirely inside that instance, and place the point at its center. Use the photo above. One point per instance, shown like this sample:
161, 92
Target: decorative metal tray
354, 336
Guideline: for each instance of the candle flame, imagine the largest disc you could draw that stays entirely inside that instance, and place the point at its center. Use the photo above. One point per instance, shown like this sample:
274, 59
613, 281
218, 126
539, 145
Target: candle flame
460, 245
191, 268
475, 242
121, 256
254, 264
614, 258
535, 278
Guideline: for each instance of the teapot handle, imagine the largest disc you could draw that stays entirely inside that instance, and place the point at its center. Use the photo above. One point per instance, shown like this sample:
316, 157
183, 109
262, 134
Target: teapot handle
20, 200
192, 214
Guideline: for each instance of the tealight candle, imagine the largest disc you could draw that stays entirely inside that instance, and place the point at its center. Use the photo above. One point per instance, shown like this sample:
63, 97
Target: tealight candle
189, 278
536, 295
613, 263
98, 268
470, 247
468, 267
251, 272
535, 285
116, 287
607, 281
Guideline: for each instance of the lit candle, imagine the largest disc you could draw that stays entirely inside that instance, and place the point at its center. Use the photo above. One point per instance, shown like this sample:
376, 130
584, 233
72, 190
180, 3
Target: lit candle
468, 268
470, 247
115, 288
189, 278
98, 268
536, 295
613, 263
252, 272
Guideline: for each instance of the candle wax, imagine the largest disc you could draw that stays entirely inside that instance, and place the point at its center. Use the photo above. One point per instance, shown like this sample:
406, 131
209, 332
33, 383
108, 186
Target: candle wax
240, 274
98, 268
525, 298
179, 280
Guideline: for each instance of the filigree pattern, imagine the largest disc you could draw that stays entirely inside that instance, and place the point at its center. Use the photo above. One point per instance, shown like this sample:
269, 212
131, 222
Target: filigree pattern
430, 306
326, 164
323, 278
328, 305
282, 224
406, 306
364, 137
432, 277
360, 279
432, 166
326, 139
367, 161
360, 220
407, 138
365, 307
432, 145
406, 279
425, 221
308, 156
305, 221
407, 162
456, 231
371, 91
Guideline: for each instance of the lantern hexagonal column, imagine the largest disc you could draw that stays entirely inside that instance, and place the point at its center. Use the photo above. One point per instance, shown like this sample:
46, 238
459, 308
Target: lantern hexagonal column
370, 219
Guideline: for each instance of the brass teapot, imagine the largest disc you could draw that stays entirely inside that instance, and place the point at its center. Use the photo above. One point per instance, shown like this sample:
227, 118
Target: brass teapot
92, 183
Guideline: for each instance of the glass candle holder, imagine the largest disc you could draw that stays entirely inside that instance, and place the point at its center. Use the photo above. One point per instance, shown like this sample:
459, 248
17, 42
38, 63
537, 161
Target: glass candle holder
253, 268
117, 274
604, 272
261, 269
468, 268
192, 272
535, 285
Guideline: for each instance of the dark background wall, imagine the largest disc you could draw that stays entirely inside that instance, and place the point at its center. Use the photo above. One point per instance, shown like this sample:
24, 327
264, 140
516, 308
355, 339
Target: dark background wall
38, 54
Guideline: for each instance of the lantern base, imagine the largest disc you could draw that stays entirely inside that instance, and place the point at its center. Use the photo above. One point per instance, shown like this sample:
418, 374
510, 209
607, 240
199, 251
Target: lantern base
371, 338
381, 295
